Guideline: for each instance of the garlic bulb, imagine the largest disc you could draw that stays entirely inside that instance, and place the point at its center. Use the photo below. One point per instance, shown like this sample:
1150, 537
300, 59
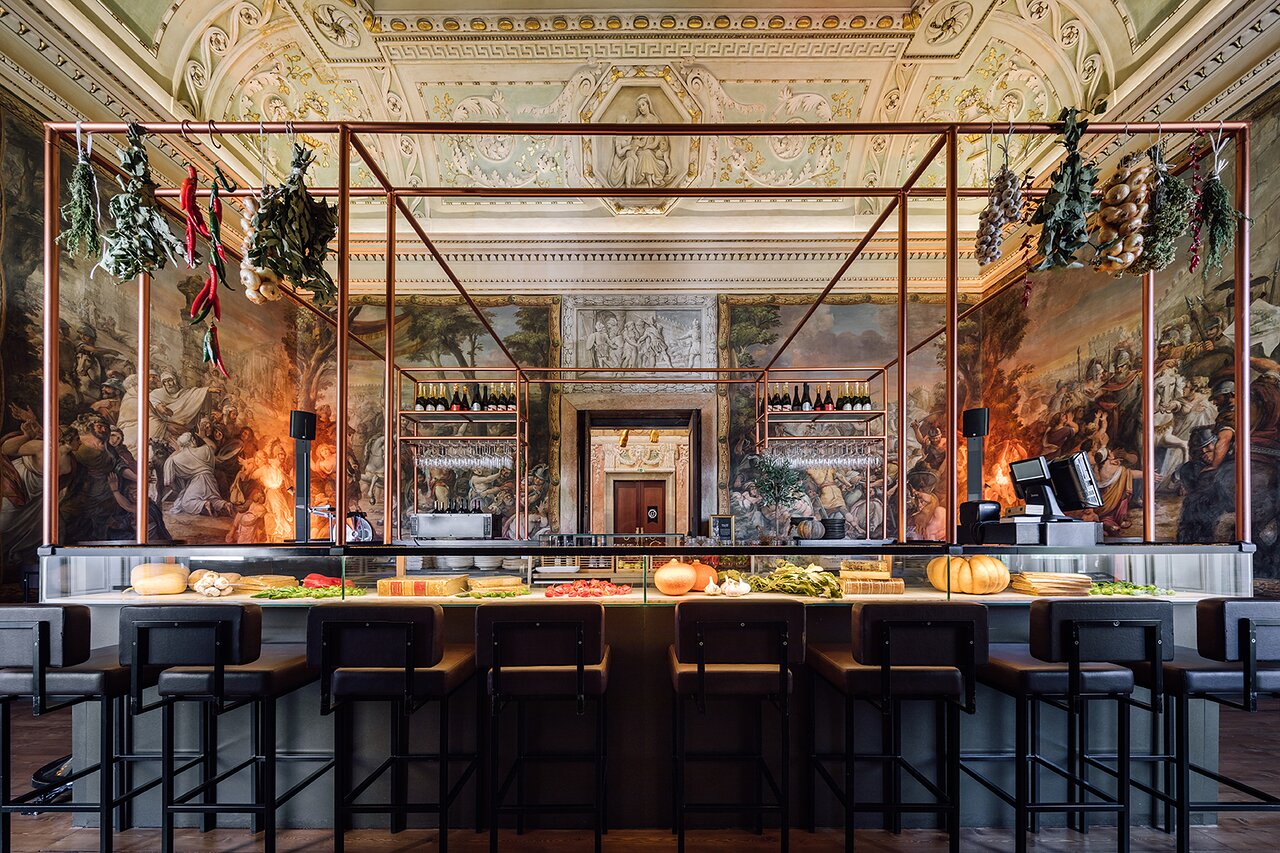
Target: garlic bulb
260, 285
734, 588
713, 588
213, 585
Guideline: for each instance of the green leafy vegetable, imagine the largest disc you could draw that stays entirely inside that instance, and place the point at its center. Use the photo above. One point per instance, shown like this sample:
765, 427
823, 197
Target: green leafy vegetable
81, 237
292, 230
1063, 214
788, 578
1126, 588
139, 240
1216, 217
282, 592
510, 592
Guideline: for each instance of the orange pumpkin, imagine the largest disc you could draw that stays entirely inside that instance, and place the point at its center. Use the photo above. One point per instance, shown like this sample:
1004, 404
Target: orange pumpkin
705, 575
975, 575
675, 578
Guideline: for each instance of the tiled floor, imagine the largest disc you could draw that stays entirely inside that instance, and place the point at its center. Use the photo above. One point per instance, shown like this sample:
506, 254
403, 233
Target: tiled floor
1250, 744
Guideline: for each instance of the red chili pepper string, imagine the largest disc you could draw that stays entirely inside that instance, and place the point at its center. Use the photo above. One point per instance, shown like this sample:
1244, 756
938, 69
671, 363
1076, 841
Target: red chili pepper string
1197, 211
195, 219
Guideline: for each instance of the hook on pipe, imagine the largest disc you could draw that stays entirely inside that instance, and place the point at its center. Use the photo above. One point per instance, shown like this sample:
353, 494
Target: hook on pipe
213, 138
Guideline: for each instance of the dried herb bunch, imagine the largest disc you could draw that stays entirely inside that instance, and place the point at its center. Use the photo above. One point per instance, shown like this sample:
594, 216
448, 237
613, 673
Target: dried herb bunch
140, 240
292, 230
1216, 217
1063, 214
1168, 219
81, 238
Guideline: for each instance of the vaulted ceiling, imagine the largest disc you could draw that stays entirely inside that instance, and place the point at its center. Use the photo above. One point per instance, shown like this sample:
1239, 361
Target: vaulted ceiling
930, 60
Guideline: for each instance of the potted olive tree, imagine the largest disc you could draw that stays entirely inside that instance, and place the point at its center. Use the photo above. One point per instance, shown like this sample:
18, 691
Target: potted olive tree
779, 486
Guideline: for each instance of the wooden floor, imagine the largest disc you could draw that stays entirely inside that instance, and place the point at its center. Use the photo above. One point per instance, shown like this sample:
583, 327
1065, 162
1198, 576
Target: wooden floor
1250, 750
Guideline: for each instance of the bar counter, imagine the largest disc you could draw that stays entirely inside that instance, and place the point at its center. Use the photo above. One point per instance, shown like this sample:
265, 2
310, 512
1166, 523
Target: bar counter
639, 630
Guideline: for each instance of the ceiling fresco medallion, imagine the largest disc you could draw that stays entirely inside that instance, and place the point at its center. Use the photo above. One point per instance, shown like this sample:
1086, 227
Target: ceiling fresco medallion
640, 95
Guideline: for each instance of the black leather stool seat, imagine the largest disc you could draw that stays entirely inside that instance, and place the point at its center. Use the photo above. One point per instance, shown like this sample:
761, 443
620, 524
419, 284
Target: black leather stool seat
725, 679
836, 664
554, 680
1012, 669
280, 668
1188, 672
434, 682
101, 675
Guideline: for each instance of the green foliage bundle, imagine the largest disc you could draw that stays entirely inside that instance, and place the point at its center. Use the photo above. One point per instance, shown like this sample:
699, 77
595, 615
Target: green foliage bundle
1215, 216
1168, 220
292, 230
81, 238
791, 579
139, 240
1063, 214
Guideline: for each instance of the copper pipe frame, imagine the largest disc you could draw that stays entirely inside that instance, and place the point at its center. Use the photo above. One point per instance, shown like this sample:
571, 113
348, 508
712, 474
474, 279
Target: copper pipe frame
339, 532
952, 355
391, 403
52, 184
1243, 343
1148, 407
902, 374
143, 460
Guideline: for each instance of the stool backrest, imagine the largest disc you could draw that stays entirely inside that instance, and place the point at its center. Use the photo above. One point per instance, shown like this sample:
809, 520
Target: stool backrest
1219, 629
539, 635
925, 634
740, 632
1108, 631
182, 634
368, 634
65, 637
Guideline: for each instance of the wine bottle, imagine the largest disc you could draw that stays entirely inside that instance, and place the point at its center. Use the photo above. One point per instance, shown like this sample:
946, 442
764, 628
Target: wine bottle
866, 398
420, 404
785, 406
806, 402
455, 402
442, 403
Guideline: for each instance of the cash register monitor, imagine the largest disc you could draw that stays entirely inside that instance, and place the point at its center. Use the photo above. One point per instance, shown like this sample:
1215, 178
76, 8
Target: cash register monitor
1033, 484
1074, 482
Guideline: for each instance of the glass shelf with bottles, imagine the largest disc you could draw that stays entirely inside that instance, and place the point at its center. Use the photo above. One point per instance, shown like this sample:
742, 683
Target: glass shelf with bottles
832, 402
477, 402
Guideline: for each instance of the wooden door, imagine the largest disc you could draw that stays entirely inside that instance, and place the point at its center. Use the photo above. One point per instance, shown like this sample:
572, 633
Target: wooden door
639, 505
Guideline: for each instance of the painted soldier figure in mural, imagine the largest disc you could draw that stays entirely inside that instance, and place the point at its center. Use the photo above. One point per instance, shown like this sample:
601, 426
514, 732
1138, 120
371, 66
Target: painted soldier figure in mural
1121, 398
1208, 497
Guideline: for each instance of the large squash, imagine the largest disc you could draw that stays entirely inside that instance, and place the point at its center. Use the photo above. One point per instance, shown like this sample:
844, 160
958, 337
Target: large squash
158, 578
674, 577
975, 575
705, 575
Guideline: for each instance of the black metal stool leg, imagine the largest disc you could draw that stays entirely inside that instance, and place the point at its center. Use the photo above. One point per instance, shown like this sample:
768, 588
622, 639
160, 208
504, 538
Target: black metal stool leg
675, 764
896, 766
1034, 779
1022, 784
953, 776
166, 779
444, 771
522, 746
120, 769
1072, 762
1183, 784
784, 771
849, 767
604, 764
6, 820
495, 781
599, 774
267, 708
1170, 768
482, 775
209, 766
126, 808
759, 769
341, 759
1124, 769
106, 774
256, 772
811, 750
680, 711
399, 768
886, 767
1082, 766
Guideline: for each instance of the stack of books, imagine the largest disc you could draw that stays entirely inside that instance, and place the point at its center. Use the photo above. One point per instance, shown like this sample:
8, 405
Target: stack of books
1051, 583
869, 577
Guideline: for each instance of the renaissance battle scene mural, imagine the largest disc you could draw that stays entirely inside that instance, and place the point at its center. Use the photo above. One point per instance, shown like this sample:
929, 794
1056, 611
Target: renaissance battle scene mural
844, 329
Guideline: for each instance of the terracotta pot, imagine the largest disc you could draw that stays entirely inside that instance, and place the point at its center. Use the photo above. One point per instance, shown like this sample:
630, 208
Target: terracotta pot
675, 578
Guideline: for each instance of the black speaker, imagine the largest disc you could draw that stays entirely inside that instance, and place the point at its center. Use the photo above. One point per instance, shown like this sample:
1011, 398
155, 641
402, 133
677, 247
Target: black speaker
973, 423
302, 425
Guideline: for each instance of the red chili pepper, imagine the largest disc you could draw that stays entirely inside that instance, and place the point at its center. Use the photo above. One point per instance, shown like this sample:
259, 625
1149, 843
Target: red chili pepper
217, 351
195, 219
202, 297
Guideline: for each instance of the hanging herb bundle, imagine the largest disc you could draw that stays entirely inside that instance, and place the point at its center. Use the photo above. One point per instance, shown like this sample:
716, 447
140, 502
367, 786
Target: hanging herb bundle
139, 240
1063, 213
81, 238
292, 230
1215, 216
1168, 219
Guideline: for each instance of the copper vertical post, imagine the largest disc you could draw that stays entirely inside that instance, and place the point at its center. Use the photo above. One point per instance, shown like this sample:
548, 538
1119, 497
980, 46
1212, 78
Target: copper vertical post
392, 401
1243, 345
1149, 407
343, 330
902, 372
143, 460
953, 287
52, 184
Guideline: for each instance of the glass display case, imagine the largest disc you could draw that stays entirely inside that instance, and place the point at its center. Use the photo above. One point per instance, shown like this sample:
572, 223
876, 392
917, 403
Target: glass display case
659, 573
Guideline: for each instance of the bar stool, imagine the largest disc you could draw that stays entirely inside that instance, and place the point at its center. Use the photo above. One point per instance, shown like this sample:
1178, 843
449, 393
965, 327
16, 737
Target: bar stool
396, 653
899, 653
45, 656
551, 652
213, 655
736, 650
1071, 664
1236, 660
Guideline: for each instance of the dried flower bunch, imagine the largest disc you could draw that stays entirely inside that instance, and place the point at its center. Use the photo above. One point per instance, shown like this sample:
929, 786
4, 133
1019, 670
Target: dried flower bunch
292, 230
1063, 214
140, 240
1169, 217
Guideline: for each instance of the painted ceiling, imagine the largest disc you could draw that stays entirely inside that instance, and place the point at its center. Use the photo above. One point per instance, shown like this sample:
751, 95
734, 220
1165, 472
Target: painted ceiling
929, 60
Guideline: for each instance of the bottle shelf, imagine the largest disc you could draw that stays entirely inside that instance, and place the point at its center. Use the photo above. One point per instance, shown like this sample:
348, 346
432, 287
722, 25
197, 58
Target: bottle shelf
832, 417
468, 416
